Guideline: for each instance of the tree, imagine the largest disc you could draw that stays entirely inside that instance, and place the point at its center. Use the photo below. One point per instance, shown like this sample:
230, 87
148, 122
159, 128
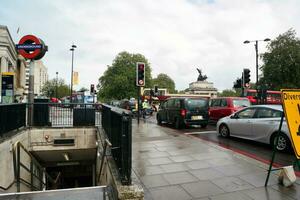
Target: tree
281, 68
164, 81
230, 93
83, 89
118, 81
49, 88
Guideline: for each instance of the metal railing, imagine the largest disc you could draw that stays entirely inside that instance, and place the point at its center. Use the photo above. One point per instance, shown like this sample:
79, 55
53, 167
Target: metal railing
116, 123
37, 172
12, 116
66, 115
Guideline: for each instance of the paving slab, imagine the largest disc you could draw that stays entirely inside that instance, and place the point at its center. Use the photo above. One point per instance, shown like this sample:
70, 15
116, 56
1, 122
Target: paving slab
160, 161
181, 158
231, 184
170, 193
231, 196
154, 181
198, 164
258, 179
149, 170
237, 169
177, 167
292, 191
202, 189
180, 177
266, 193
207, 174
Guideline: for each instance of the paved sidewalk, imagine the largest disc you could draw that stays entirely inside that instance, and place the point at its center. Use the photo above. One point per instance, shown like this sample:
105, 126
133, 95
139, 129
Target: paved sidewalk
174, 166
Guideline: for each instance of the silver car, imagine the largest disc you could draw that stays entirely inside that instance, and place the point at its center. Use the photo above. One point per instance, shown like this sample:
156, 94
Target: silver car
259, 123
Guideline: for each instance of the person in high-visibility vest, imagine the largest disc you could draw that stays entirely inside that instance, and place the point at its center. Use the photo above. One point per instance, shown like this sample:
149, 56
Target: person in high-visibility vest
145, 106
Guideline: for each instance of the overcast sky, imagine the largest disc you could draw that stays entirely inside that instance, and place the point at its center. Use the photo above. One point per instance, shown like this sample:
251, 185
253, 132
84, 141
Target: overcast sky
176, 36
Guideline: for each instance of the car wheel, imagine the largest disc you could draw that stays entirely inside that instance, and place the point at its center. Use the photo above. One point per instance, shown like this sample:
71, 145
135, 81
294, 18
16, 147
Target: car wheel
203, 125
158, 120
177, 123
224, 130
283, 143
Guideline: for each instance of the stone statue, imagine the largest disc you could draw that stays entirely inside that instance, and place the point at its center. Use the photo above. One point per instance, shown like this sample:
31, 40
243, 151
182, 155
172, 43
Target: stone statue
201, 77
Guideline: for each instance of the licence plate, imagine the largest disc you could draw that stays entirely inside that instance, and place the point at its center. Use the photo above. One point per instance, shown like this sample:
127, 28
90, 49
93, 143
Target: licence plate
197, 117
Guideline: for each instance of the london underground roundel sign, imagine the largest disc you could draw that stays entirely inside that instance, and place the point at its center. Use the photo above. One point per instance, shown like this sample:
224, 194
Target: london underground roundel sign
31, 47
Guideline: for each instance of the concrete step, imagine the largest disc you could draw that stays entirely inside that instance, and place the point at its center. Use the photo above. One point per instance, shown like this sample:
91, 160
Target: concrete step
88, 193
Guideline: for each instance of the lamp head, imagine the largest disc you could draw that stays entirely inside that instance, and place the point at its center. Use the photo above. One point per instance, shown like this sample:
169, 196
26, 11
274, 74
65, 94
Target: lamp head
267, 39
246, 41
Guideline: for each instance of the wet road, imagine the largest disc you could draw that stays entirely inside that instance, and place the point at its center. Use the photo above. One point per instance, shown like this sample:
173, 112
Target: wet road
258, 151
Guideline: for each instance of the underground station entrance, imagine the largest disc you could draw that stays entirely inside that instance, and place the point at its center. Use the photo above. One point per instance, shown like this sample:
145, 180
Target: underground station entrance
71, 176
68, 168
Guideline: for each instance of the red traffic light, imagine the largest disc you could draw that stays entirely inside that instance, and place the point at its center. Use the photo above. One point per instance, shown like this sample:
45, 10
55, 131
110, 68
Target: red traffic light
141, 66
140, 74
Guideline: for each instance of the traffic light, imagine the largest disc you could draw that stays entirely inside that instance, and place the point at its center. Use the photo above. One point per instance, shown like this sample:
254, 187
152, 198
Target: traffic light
92, 88
156, 89
246, 75
237, 83
140, 74
151, 93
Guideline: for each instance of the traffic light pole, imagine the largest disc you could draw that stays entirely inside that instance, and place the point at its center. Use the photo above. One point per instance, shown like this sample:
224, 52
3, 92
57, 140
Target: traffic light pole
138, 104
243, 85
256, 56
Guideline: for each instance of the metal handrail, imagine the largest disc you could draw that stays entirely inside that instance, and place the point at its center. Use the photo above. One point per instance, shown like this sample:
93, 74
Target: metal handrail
107, 143
9, 186
18, 164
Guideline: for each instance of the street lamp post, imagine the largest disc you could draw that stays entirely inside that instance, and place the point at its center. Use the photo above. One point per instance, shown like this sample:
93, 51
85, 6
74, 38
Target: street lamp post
256, 58
72, 49
256, 53
56, 84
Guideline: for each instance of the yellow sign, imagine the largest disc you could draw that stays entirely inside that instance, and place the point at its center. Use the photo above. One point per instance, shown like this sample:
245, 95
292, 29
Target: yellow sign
75, 78
291, 106
8, 73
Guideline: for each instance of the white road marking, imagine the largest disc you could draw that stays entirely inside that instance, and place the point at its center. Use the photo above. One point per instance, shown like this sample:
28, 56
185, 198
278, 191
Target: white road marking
197, 133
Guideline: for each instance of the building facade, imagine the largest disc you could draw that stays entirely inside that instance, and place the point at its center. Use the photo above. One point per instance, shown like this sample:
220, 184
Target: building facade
12, 70
40, 77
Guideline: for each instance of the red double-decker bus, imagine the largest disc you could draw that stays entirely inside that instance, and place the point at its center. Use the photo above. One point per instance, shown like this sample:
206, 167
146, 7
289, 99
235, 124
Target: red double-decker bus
272, 97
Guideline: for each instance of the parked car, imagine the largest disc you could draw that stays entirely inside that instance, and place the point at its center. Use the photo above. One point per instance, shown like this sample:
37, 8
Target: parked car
223, 106
124, 104
115, 103
258, 123
54, 100
182, 111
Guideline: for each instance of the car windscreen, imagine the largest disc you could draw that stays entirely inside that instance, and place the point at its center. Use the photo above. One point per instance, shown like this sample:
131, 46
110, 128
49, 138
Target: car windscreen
193, 104
240, 102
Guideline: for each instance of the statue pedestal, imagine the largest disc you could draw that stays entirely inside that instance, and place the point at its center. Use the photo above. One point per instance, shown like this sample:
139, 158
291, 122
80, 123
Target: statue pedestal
203, 88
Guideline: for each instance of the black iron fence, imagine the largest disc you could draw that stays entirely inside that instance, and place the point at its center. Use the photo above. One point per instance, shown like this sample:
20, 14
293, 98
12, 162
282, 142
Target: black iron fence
116, 123
66, 115
12, 116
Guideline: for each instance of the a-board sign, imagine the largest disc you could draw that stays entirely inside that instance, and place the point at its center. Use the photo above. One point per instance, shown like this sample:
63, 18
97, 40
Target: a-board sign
291, 106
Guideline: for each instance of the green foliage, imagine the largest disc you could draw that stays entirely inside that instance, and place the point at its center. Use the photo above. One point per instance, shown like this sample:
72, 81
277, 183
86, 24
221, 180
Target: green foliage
230, 93
49, 88
164, 81
281, 67
119, 80
83, 89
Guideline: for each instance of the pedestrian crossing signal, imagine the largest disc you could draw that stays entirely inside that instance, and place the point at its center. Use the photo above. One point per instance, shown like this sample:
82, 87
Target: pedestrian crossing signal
140, 74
